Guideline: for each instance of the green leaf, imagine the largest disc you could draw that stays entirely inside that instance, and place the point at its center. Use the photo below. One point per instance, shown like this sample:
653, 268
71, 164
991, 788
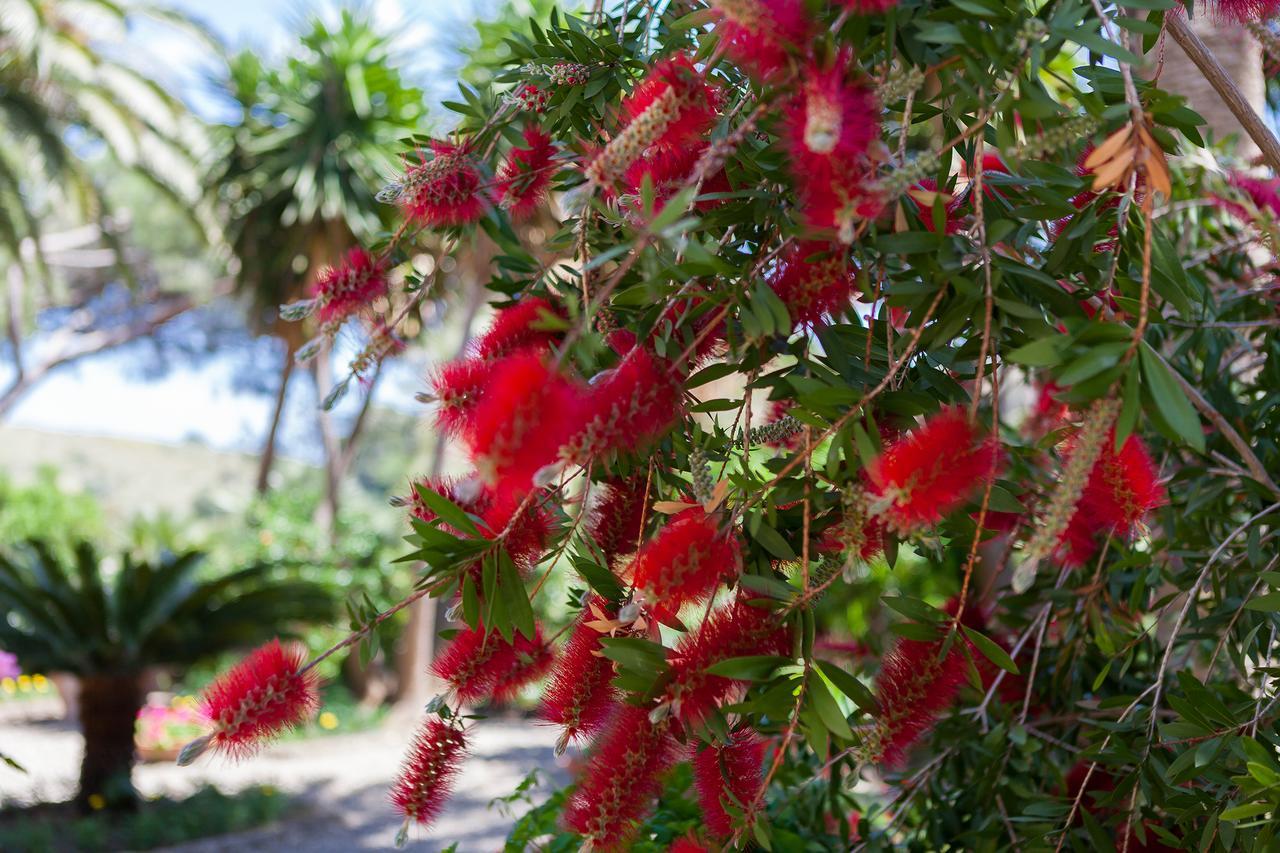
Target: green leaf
446, 510
850, 686
913, 608
748, 668
991, 650
772, 541
1269, 603
1169, 398
1247, 810
827, 707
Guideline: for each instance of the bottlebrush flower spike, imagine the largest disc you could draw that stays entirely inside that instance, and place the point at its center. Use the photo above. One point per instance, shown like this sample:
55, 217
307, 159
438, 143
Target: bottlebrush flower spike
627, 407
814, 279
733, 630
480, 664
685, 561
1244, 11
445, 190
1263, 192
427, 775
256, 700
533, 659
457, 387
580, 694
1122, 488
350, 286
913, 689
930, 471
730, 774
673, 106
830, 126
522, 182
756, 33
621, 779
526, 414
867, 7
668, 170
685, 844
615, 522
518, 327
526, 541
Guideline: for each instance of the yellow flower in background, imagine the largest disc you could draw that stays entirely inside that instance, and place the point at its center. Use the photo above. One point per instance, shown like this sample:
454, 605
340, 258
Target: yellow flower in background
41, 683
24, 683
97, 802
9, 686
328, 720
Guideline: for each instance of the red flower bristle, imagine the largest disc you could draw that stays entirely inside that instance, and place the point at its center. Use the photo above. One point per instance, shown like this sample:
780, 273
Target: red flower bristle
525, 542
522, 182
932, 470
868, 7
729, 774
621, 780
1122, 488
685, 844
445, 190
756, 33
685, 561
1264, 193
350, 286
733, 630
1244, 11
518, 327
628, 407
258, 698
814, 279
668, 169
829, 128
457, 387
428, 772
692, 331
580, 695
913, 689
477, 664
851, 534
526, 414
533, 660
693, 110
615, 521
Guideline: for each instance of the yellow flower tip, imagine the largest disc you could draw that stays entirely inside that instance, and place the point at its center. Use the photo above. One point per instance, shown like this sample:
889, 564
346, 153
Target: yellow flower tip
328, 720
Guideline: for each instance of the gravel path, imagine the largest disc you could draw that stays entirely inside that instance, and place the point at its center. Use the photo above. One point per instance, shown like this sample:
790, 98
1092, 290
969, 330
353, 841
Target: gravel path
340, 782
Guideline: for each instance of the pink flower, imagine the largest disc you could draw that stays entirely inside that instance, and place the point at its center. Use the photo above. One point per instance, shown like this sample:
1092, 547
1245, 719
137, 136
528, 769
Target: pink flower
480, 664
1122, 488
690, 109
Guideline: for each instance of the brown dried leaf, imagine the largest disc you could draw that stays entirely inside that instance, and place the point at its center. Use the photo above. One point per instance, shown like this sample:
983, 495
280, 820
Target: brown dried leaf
1112, 174
671, 507
1109, 148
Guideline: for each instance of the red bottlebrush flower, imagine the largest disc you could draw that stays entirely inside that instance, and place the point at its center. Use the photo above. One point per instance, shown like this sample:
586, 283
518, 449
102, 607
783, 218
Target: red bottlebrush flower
480, 664
685, 844
686, 100
345, 289
729, 774
868, 7
1048, 413
517, 328
523, 419
701, 335
527, 540
913, 689
258, 698
445, 190
627, 407
621, 779
1244, 11
457, 387
929, 472
523, 180
580, 694
685, 561
854, 534
757, 33
829, 129
814, 279
1122, 488
924, 194
733, 630
615, 522
668, 169
1263, 192
426, 777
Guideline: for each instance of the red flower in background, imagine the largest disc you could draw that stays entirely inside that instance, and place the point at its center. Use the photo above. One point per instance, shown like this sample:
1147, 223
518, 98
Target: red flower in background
685, 561
1263, 192
580, 696
668, 169
430, 767
627, 407
480, 664
814, 279
457, 387
258, 698
621, 779
445, 190
682, 102
867, 7
1122, 488
756, 33
615, 522
728, 775
913, 689
518, 327
350, 286
930, 471
829, 129
527, 540
1245, 11
523, 180
685, 844
733, 630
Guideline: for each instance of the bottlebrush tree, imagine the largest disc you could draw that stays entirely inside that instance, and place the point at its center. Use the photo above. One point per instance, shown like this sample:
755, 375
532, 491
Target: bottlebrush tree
897, 388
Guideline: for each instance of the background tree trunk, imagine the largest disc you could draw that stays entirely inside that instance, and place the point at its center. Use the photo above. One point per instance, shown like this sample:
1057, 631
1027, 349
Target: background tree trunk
268, 457
109, 707
1241, 56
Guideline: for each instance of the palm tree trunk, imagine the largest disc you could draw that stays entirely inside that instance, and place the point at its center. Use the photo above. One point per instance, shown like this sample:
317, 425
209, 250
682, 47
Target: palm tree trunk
267, 459
109, 707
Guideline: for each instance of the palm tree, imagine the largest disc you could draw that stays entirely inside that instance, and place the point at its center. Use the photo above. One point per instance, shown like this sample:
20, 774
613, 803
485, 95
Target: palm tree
59, 82
109, 624
317, 136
